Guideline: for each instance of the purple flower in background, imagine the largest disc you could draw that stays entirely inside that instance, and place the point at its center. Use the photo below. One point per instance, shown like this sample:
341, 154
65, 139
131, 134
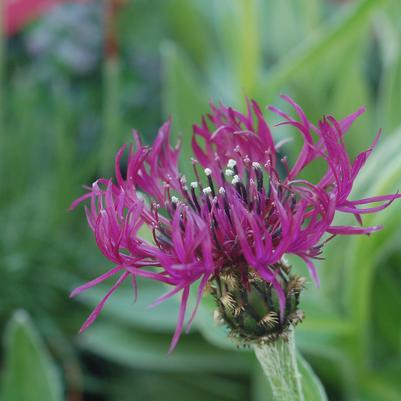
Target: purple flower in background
245, 210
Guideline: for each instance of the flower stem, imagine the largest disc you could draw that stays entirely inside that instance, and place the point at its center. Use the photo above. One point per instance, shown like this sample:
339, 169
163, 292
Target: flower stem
279, 363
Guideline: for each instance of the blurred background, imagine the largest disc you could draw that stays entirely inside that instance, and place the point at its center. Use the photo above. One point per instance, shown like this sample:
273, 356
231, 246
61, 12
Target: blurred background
75, 78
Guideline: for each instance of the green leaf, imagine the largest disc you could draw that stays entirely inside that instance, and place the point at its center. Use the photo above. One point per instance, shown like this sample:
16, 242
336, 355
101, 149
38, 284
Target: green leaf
390, 85
363, 254
312, 387
183, 97
121, 306
112, 137
390, 95
30, 374
180, 386
242, 53
300, 20
148, 351
386, 317
383, 384
318, 46
349, 79
321, 318
191, 29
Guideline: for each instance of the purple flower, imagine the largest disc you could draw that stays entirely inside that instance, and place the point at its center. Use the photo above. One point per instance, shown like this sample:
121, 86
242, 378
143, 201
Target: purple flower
246, 209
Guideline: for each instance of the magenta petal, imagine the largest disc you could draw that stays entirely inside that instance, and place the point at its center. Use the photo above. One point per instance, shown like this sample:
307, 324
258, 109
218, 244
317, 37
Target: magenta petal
373, 199
134, 286
312, 269
166, 296
79, 200
150, 275
281, 297
93, 316
365, 210
95, 281
201, 289
181, 317
119, 155
348, 121
350, 230
246, 249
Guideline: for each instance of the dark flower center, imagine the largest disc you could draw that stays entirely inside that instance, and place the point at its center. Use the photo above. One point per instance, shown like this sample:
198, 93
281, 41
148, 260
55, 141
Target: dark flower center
248, 186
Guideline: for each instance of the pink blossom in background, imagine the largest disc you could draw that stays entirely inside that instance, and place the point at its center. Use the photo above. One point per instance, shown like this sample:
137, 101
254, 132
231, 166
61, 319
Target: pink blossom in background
246, 209
19, 13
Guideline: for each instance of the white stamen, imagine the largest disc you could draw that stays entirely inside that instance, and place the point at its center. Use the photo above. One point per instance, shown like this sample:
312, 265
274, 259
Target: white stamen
183, 180
229, 172
194, 184
255, 165
222, 191
235, 180
174, 199
208, 171
231, 163
207, 190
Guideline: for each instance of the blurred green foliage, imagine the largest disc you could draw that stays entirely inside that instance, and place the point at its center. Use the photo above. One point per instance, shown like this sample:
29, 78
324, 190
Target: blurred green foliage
61, 123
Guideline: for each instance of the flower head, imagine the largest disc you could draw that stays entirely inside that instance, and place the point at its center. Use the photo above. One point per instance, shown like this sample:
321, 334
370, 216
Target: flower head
231, 227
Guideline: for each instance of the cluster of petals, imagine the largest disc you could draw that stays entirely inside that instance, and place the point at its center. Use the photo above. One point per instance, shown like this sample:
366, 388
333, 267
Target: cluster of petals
245, 210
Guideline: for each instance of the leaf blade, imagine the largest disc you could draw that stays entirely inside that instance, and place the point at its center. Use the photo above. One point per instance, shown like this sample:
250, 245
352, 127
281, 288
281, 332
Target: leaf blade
30, 373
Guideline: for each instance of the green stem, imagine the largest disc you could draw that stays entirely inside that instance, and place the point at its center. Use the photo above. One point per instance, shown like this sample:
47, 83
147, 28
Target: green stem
279, 362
